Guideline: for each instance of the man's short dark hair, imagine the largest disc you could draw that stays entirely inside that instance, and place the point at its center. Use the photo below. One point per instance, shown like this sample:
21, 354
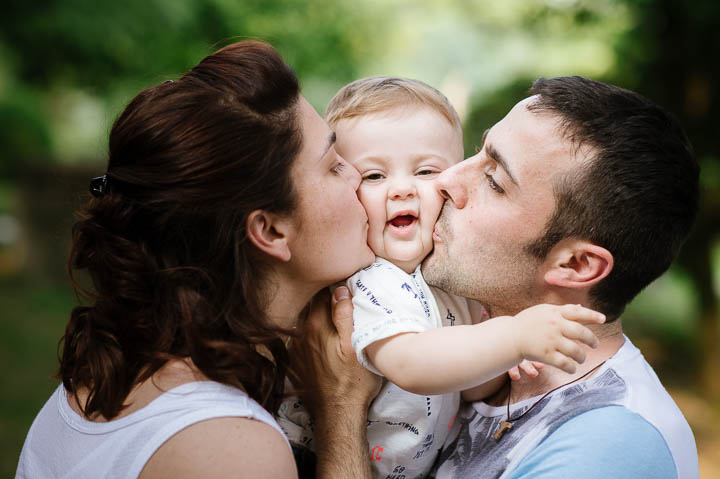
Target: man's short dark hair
637, 196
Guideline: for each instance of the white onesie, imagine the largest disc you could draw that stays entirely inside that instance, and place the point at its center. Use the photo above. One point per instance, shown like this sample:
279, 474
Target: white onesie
405, 430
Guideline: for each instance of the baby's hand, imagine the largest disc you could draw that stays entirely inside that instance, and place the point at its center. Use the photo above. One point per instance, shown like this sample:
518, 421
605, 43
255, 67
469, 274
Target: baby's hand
528, 367
553, 334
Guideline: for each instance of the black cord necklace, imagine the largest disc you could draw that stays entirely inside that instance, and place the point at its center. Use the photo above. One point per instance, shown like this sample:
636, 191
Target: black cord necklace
506, 425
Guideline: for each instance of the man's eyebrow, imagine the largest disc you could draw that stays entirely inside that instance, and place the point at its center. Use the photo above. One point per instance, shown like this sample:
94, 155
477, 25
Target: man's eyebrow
495, 155
478, 149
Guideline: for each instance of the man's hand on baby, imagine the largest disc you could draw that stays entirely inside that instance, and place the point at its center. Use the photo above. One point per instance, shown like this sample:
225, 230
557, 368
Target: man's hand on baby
554, 335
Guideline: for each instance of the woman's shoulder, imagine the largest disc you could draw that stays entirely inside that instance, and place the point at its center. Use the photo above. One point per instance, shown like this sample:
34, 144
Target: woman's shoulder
210, 429
222, 431
221, 447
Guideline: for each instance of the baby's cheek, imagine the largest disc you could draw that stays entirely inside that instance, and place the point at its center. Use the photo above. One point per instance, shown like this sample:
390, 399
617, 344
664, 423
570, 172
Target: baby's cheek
433, 198
374, 206
376, 243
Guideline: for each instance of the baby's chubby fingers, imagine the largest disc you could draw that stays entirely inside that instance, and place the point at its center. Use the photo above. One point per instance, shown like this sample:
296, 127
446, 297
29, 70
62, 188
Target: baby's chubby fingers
578, 332
529, 368
581, 314
561, 361
572, 350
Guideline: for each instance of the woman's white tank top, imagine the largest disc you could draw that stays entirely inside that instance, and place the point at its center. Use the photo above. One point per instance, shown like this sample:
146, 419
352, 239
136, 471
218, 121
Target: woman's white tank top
63, 444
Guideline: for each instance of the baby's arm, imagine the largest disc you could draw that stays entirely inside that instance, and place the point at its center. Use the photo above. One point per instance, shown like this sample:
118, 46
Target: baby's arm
442, 360
485, 389
479, 314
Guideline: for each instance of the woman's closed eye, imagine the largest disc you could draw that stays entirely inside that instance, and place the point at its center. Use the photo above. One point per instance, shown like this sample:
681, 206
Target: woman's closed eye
339, 167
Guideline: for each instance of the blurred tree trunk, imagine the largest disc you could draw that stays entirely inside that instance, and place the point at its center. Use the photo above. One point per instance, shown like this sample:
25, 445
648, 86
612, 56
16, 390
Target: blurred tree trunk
671, 56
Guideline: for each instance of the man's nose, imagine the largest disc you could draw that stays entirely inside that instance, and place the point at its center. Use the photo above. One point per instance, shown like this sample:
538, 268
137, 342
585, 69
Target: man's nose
451, 184
401, 188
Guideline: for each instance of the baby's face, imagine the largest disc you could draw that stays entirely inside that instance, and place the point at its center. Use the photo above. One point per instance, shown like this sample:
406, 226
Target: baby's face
399, 154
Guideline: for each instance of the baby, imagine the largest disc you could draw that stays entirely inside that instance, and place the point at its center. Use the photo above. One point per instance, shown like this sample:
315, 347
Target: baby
400, 134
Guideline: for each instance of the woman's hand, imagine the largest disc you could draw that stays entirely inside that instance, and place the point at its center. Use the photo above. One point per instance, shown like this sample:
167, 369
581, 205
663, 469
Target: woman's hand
324, 366
335, 388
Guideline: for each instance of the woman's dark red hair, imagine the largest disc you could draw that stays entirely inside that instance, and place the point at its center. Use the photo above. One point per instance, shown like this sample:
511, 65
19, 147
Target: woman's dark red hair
173, 273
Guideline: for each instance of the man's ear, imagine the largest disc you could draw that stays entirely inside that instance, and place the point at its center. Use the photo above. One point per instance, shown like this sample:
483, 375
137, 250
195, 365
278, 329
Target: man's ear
577, 264
269, 233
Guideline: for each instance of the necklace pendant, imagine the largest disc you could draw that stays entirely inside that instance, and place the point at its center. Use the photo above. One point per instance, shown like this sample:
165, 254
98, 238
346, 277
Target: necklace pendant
504, 426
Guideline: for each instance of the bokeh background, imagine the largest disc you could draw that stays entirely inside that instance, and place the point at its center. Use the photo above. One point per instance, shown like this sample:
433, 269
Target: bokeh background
68, 67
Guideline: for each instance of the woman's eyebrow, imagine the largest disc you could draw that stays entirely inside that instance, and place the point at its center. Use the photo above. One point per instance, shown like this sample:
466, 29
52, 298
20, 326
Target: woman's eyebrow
332, 138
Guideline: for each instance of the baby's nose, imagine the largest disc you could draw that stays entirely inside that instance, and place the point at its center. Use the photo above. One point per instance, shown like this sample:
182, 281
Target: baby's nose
401, 188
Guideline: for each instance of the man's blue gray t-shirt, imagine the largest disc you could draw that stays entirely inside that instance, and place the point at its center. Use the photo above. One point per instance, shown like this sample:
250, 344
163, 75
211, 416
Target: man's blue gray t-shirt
619, 423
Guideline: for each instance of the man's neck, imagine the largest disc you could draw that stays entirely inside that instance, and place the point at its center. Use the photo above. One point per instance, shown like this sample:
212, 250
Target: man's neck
611, 340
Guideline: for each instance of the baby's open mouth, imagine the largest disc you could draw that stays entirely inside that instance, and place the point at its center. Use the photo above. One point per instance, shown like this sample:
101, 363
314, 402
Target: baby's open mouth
402, 221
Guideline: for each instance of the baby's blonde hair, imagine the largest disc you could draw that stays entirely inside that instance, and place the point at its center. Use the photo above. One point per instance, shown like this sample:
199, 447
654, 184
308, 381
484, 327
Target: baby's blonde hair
379, 94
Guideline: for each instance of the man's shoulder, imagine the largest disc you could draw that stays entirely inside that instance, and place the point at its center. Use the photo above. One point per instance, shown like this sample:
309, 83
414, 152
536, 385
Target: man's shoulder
610, 441
615, 427
647, 397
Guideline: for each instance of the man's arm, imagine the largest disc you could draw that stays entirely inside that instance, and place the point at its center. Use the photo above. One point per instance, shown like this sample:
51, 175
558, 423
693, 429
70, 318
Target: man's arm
336, 388
341, 443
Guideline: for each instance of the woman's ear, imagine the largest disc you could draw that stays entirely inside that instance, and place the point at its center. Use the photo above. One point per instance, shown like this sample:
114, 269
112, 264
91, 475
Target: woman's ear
577, 264
269, 233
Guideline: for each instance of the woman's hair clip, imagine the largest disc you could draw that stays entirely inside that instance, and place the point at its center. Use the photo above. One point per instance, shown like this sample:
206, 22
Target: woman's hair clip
167, 81
98, 186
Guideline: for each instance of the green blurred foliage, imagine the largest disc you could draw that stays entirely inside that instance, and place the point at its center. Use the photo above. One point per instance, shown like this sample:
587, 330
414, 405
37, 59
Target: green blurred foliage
91, 44
24, 133
77, 62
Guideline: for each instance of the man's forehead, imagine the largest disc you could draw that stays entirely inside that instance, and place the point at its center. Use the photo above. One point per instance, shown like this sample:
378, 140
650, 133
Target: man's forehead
520, 121
528, 101
531, 136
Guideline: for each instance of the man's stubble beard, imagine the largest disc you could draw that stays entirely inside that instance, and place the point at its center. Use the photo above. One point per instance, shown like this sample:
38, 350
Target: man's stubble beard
505, 282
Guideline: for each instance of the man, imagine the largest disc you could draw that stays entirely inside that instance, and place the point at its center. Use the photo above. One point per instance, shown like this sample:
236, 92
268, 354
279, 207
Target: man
583, 194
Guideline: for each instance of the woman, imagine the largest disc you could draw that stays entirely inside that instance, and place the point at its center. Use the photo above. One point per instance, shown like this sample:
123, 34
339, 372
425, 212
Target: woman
223, 211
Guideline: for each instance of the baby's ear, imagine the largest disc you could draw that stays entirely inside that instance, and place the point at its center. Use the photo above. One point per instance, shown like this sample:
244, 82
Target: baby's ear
577, 264
270, 233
